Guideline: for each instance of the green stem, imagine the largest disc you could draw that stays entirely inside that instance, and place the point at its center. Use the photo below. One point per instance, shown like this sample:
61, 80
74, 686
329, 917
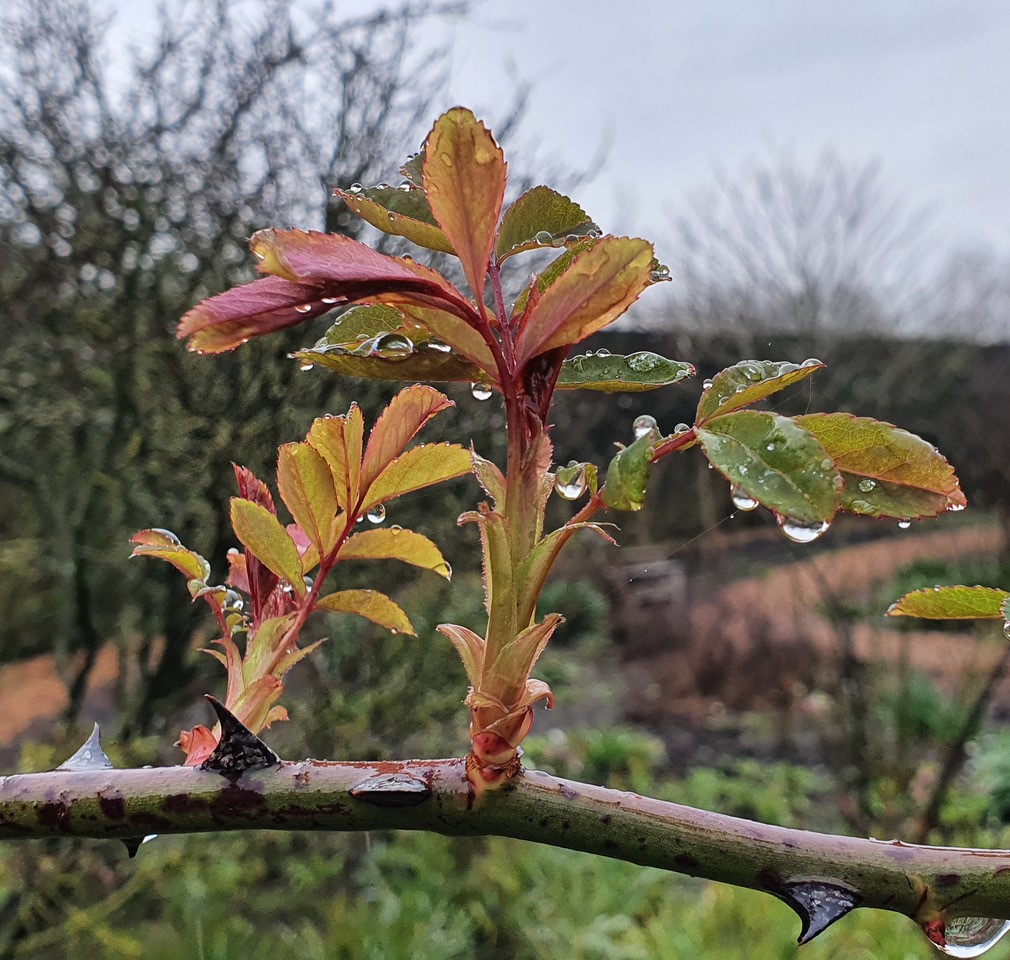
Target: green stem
918, 881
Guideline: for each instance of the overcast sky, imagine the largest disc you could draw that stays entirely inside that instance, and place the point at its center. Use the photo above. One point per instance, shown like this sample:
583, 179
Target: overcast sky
677, 89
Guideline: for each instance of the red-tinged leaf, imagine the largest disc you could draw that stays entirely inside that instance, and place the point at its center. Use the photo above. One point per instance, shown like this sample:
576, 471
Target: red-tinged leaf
469, 646
313, 257
747, 382
594, 290
452, 331
198, 744
261, 647
539, 211
250, 487
287, 662
238, 573
464, 176
497, 569
307, 550
537, 690
505, 677
165, 545
489, 476
261, 581
371, 605
229, 319
339, 441
276, 714
307, 489
952, 603
436, 292
397, 425
888, 471
394, 543
262, 535
419, 467
255, 702
399, 212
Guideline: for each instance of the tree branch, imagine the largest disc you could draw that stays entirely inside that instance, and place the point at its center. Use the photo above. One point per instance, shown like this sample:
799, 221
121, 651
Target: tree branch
927, 884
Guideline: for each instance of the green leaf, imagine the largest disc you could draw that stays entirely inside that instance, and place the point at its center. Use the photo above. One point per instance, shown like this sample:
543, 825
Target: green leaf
469, 646
371, 605
549, 274
952, 603
401, 212
634, 373
627, 476
416, 468
746, 382
165, 545
413, 168
394, 357
263, 536
776, 462
307, 489
539, 211
394, 543
888, 471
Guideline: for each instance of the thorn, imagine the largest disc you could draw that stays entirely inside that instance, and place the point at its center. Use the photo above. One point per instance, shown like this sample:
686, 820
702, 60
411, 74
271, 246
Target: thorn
239, 749
91, 756
133, 844
818, 904
392, 790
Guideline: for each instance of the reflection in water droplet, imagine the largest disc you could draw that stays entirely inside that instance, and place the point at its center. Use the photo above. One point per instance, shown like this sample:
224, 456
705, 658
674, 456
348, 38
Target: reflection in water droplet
1006, 630
437, 345
866, 485
741, 500
391, 216
800, 532
330, 300
904, 524
643, 426
393, 346
303, 308
603, 353
681, 428
480, 391
544, 238
706, 384
660, 274
570, 481
355, 188
811, 362
972, 936
376, 514
305, 366
955, 508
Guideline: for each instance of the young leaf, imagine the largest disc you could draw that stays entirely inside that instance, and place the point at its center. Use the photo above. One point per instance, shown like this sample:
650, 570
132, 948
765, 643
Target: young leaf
393, 543
227, 320
599, 284
165, 545
634, 373
469, 646
338, 440
307, 489
464, 176
394, 359
413, 168
418, 467
776, 462
489, 476
371, 605
627, 476
397, 425
538, 211
747, 382
262, 535
952, 603
399, 211
888, 472
362, 322
540, 282
260, 648
505, 678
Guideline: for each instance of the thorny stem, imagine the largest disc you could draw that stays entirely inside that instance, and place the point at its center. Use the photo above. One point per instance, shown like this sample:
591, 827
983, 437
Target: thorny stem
922, 882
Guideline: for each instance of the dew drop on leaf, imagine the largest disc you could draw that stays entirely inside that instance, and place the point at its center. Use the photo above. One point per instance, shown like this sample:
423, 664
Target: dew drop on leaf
544, 238
303, 308
438, 346
480, 391
1006, 629
811, 362
955, 508
355, 188
681, 428
706, 384
570, 481
741, 500
393, 346
330, 299
972, 936
866, 485
644, 425
904, 524
305, 366
376, 514
800, 532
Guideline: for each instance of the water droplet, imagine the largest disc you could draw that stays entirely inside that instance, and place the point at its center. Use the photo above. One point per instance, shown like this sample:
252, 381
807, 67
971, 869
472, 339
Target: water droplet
681, 428
376, 514
1006, 630
355, 188
437, 345
811, 362
826, 464
603, 353
644, 425
392, 346
544, 238
660, 274
480, 391
406, 186
800, 532
169, 536
305, 366
570, 481
904, 524
383, 186
330, 299
706, 384
391, 216
233, 602
866, 484
303, 308
972, 936
395, 529
233, 552
741, 500
955, 507
360, 519
770, 447
643, 362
